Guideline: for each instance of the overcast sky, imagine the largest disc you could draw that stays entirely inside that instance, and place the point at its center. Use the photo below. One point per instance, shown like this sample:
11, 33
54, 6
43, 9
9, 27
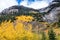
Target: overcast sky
36, 4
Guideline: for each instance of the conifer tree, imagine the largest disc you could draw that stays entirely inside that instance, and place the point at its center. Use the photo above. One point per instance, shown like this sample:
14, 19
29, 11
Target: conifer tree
51, 34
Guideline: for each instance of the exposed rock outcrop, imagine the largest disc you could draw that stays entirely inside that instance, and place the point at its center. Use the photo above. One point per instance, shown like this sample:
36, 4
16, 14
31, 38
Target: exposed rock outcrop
53, 12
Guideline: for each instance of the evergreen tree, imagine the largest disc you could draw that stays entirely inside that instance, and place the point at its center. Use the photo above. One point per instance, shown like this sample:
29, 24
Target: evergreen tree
51, 34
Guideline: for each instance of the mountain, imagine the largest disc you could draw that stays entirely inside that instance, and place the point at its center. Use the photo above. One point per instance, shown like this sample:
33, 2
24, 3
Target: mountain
52, 12
18, 9
13, 11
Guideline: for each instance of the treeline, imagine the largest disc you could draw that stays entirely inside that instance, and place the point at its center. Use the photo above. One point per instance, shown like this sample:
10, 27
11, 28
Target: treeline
10, 16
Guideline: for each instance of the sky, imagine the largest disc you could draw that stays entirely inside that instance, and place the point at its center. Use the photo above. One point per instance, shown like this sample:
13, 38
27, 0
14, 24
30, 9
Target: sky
36, 4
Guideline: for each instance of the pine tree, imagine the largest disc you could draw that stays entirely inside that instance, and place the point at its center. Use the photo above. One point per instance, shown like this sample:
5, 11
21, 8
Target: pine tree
51, 34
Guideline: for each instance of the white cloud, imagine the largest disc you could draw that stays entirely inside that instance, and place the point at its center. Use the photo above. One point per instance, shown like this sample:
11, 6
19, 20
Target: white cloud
38, 5
24, 3
6, 3
35, 5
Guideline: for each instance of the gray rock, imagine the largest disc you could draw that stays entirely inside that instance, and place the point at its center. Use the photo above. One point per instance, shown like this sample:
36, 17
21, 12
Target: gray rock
53, 12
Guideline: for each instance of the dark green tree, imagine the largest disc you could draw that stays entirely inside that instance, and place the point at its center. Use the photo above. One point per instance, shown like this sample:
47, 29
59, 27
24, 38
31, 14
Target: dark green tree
51, 34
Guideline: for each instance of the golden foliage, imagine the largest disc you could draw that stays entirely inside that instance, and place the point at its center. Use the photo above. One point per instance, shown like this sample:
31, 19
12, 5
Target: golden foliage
25, 18
9, 31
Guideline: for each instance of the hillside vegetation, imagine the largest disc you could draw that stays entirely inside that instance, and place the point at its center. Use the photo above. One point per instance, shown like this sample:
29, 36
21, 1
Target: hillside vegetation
23, 29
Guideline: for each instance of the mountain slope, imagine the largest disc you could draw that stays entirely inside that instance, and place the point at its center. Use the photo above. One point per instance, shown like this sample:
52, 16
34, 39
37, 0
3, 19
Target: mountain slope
49, 14
18, 9
52, 12
13, 11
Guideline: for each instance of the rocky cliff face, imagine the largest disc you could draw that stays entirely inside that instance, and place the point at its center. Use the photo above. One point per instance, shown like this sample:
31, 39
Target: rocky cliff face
53, 12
